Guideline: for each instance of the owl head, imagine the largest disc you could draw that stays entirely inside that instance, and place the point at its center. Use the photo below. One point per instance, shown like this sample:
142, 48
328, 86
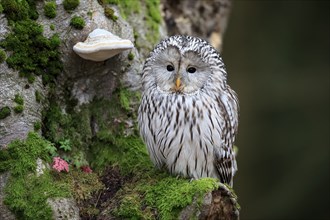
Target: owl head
183, 64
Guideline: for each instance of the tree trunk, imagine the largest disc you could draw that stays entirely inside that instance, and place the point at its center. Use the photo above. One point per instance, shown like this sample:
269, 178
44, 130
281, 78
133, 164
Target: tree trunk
96, 103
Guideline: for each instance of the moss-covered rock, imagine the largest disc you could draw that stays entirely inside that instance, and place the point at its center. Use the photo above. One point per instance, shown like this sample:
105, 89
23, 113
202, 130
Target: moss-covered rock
33, 54
20, 159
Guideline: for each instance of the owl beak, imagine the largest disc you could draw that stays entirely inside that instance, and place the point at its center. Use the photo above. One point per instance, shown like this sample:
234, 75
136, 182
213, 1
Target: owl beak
178, 84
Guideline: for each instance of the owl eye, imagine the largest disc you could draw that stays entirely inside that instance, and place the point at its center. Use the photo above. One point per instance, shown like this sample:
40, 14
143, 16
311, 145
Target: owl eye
191, 69
170, 68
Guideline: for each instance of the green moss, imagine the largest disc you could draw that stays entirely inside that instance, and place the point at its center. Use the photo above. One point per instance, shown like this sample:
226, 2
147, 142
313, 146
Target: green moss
37, 125
38, 96
4, 112
1, 8
50, 9
31, 78
90, 14
154, 10
152, 16
130, 56
70, 5
170, 195
15, 10
153, 19
33, 54
110, 13
82, 185
130, 208
129, 153
19, 99
160, 196
126, 7
26, 194
124, 98
52, 27
37, 190
3, 56
19, 108
73, 126
77, 22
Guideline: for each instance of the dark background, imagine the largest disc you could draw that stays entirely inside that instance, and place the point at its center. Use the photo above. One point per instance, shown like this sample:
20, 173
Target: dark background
277, 58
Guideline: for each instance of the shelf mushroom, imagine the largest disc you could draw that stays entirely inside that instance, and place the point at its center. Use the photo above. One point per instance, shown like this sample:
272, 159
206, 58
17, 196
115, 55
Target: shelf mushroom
100, 45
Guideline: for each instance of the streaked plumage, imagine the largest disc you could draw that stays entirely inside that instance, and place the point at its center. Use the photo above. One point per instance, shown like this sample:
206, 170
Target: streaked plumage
188, 115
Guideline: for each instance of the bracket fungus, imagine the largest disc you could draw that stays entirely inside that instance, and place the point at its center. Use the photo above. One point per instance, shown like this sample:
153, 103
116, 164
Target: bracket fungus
100, 45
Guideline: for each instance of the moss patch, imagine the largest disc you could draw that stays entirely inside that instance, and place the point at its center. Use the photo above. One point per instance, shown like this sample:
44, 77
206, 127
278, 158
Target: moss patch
70, 5
170, 194
26, 194
17, 10
19, 99
19, 109
50, 9
150, 10
33, 54
128, 153
38, 96
37, 125
110, 13
20, 103
126, 7
130, 56
153, 19
4, 112
77, 22
3, 55
157, 195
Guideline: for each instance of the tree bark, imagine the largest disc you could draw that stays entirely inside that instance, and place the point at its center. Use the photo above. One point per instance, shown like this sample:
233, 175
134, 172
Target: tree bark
85, 81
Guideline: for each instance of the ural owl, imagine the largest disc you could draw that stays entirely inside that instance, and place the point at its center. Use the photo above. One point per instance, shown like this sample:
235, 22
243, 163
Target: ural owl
188, 116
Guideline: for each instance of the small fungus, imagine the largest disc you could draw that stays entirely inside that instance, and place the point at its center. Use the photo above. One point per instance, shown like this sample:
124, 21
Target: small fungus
100, 45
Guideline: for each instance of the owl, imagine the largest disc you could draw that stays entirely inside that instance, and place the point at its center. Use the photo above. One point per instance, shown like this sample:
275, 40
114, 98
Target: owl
188, 115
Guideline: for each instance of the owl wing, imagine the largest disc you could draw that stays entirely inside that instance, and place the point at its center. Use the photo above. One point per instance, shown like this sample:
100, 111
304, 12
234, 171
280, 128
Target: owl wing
224, 160
224, 166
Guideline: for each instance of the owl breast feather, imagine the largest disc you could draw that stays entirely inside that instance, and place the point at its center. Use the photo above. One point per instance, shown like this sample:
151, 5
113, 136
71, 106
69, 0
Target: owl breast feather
187, 134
